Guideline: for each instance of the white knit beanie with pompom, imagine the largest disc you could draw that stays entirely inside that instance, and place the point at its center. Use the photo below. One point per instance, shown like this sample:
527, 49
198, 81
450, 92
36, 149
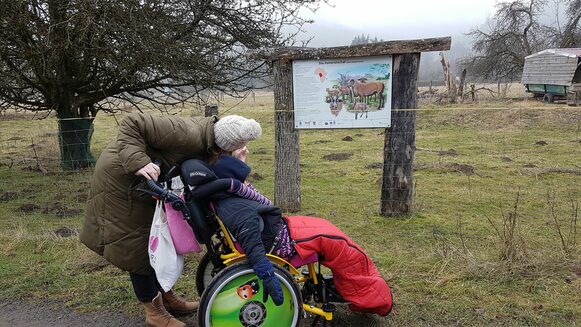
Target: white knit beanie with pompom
234, 132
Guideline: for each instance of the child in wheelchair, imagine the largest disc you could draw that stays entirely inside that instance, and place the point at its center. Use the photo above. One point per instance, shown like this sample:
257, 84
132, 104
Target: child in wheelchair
253, 221
259, 228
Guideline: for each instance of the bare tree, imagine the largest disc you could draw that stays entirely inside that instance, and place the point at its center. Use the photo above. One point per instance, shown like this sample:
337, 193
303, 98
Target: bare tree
513, 33
570, 35
76, 57
516, 31
454, 86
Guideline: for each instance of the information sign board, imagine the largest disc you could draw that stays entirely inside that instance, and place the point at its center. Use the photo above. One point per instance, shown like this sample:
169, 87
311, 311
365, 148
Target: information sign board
342, 93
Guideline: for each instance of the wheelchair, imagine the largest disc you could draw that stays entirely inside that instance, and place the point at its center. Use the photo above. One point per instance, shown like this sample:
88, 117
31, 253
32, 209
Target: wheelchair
231, 293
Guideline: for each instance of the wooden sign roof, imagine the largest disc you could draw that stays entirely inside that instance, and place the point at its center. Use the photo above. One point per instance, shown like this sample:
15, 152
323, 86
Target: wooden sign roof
362, 50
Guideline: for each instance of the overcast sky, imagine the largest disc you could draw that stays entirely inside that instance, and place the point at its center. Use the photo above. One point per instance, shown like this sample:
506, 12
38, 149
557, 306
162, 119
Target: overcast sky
395, 20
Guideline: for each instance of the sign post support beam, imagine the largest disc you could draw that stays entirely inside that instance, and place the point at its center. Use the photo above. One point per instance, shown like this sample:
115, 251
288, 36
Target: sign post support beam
287, 185
400, 138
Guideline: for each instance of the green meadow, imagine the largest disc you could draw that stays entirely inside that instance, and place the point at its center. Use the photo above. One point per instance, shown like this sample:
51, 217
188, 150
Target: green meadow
493, 238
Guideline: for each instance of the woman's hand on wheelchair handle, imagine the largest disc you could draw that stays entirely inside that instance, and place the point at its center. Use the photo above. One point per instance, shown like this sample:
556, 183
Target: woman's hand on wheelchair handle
149, 171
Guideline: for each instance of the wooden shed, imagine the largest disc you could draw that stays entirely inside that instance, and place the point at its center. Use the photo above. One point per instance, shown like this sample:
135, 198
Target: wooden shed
553, 73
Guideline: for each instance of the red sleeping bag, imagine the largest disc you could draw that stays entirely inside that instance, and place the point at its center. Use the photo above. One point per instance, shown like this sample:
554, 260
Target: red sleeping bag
354, 274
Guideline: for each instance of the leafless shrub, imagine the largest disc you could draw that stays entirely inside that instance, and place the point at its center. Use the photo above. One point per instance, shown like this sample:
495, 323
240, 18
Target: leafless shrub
512, 245
451, 248
568, 238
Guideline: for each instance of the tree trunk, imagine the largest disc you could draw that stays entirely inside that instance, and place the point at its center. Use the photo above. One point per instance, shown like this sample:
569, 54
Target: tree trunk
210, 110
75, 135
448, 79
461, 85
400, 138
473, 92
287, 193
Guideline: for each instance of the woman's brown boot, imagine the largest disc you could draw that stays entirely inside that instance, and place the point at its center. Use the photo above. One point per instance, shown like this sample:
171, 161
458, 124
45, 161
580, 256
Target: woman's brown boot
157, 316
177, 305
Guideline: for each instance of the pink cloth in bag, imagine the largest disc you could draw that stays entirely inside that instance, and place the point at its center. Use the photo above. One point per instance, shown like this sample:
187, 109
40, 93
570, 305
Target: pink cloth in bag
182, 234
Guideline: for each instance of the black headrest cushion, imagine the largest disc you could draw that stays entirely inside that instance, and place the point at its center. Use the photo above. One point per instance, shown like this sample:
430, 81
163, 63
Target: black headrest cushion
196, 172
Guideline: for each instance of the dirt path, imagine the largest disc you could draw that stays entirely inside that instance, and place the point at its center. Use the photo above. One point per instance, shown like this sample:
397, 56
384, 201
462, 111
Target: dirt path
46, 314
52, 314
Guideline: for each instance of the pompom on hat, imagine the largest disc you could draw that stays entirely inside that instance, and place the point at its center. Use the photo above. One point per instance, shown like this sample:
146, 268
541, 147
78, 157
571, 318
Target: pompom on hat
233, 132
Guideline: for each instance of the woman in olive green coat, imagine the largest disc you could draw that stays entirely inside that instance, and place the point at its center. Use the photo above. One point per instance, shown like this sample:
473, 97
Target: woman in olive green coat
118, 218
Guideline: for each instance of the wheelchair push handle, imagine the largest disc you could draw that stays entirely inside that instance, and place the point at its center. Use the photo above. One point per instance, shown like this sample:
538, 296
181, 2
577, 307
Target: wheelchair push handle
158, 190
161, 192
167, 176
166, 195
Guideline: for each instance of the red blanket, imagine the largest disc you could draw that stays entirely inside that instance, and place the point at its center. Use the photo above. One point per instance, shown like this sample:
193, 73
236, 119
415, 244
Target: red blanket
354, 274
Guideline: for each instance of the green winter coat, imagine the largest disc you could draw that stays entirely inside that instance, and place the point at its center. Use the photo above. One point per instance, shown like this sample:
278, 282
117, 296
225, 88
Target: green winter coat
118, 218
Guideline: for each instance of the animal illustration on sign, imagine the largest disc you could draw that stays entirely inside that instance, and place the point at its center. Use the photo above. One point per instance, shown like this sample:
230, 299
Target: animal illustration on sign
359, 92
364, 90
335, 103
360, 108
344, 87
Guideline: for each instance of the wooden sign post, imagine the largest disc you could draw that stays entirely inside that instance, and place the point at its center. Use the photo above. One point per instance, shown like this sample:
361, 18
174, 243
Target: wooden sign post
399, 148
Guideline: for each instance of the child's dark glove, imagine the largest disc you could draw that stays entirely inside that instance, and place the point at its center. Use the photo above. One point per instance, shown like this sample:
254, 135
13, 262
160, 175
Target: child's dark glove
271, 286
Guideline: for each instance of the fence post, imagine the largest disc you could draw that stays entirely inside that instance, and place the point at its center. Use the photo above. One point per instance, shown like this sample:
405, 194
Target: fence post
400, 138
287, 185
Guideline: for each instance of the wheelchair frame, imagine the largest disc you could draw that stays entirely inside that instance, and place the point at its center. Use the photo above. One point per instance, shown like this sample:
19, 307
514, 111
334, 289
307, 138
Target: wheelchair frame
317, 297
322, 309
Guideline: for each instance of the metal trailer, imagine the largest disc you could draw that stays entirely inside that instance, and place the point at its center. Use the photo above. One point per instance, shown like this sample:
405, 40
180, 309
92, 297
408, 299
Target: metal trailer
554, 74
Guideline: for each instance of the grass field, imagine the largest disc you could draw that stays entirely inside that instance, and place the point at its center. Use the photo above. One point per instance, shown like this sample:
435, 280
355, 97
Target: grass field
493, 239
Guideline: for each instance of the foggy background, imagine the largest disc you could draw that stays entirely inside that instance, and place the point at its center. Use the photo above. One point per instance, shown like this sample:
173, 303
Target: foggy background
340, 21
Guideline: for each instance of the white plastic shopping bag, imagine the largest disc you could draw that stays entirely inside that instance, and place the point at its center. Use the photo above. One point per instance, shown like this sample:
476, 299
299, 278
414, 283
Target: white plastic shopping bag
163, 258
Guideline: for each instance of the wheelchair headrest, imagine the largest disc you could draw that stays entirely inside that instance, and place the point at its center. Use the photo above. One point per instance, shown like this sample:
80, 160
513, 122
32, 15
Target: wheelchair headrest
196, 172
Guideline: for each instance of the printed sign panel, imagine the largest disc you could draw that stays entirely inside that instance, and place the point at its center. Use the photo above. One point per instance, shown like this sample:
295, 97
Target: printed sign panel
342, 93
